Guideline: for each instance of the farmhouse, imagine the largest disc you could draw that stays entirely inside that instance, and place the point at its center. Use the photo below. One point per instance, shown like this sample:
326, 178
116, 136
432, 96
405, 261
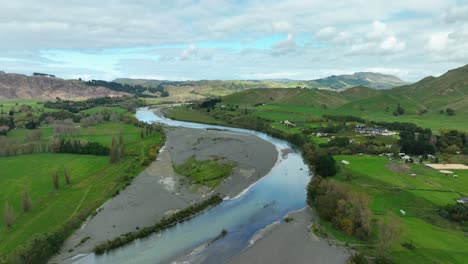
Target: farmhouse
406, 157
373, 131
288, 123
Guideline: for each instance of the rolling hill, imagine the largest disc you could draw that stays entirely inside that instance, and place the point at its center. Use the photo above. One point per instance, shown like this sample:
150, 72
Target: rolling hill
369, 79
19, 86
425, 102
450, 90
195, 90
301, 96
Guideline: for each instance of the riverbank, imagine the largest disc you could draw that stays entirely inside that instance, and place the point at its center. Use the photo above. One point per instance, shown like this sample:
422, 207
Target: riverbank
159, 191
291, 242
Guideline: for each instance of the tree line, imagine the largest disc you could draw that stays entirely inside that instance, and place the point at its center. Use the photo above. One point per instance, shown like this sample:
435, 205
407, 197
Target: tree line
77, 106
79, 147
137, 90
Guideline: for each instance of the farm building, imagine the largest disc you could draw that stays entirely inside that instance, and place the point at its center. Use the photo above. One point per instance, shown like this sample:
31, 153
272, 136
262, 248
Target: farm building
374, 131
288, 123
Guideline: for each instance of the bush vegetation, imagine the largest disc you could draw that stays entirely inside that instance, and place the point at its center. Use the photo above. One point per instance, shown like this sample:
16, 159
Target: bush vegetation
346, 209
180, 216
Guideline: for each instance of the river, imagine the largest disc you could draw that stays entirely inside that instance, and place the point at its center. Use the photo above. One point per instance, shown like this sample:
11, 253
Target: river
281, 191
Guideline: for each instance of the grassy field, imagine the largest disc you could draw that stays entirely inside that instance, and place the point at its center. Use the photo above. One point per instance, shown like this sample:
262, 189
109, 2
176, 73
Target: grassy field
93, 178
433, 119
100, 109
389, 183
186, 114
393, 189
207, 172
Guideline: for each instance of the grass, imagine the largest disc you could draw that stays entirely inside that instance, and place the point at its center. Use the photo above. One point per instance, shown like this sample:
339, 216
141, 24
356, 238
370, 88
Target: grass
186, 114
93, 181
20, 133
207, 172
435, 238
433, 119
100, 109
299, 103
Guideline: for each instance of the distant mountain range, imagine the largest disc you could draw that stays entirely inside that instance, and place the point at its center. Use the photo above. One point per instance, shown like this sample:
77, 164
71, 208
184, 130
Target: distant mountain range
335, 82
368, 79
449, 90
429, 92
19, 86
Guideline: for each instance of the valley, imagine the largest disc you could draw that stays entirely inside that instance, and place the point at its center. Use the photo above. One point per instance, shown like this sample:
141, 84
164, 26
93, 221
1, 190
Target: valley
117, 163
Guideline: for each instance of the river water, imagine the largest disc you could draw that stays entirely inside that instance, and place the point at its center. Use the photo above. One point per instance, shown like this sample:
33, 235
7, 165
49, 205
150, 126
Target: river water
281, 191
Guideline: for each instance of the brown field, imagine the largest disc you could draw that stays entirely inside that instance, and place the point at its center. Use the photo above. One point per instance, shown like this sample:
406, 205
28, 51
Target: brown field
448, 166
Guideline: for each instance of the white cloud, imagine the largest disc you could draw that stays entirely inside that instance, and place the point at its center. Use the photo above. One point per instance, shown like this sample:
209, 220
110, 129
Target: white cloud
438, 41
326, 33
392, 44
354, 34
281, 26
379, 30
379, 40
189, 52
455, 14
285, 47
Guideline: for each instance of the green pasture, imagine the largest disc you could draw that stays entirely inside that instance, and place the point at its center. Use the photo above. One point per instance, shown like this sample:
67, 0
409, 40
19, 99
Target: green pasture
207, 172
420, 196
93, 179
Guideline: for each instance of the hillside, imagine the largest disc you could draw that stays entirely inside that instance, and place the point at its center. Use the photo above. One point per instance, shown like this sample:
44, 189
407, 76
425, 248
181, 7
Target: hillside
450, 90
425, 102
18, 86
335, 82
368, 79
195, 90
301, 97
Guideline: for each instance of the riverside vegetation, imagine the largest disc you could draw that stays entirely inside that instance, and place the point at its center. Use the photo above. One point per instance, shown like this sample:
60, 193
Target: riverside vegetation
206, 172
361, 201
81, 158
178, 217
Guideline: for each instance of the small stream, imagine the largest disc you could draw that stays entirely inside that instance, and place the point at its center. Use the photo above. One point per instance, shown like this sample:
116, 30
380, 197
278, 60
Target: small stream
281, 191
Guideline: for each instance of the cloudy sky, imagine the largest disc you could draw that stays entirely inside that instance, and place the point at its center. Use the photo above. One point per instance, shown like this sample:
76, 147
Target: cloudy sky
236, 39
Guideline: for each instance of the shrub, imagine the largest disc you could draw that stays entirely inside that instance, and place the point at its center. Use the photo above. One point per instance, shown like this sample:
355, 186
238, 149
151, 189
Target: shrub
358, 258
325, 166
164, 223
408, 245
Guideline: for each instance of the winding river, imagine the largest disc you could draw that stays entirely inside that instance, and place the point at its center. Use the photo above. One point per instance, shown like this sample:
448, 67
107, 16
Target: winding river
281, 191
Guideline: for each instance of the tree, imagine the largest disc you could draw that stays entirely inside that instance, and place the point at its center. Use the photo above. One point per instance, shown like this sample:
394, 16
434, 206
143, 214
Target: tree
55, 179
390, 232
326, 166
114, 152
9, 215
399, 110
450, 111
25, 200
67, 175
122, 145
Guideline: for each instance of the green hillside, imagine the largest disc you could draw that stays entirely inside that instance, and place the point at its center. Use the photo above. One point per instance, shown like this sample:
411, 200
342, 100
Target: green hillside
294, 96
422, 101
183, 91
